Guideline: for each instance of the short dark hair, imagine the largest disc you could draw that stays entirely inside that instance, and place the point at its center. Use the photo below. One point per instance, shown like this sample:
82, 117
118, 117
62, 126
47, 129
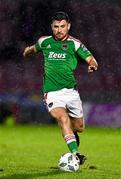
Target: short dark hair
60, 15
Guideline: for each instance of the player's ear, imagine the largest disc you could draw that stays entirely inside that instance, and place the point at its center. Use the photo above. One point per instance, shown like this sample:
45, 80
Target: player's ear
51, 25
69, 25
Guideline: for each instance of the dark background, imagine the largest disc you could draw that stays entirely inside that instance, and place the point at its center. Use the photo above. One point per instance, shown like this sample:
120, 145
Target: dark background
96, 23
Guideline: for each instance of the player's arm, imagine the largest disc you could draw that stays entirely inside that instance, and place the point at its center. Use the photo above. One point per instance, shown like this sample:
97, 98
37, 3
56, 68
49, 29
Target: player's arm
92, 63
85, 54
29, 50
34, 48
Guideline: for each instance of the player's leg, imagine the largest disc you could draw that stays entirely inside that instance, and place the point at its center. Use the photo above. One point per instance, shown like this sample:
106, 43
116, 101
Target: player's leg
75, 112
61, 111
57, 108
77, 125
63, 120
77, 138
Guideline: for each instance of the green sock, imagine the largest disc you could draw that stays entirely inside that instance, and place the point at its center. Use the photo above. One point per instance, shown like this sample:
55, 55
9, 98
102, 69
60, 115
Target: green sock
71, 142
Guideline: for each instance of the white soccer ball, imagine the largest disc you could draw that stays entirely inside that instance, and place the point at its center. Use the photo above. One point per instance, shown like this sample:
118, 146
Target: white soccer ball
69, 162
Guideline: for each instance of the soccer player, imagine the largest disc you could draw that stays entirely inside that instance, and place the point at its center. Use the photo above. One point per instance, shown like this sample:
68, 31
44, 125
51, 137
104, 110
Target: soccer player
60, 87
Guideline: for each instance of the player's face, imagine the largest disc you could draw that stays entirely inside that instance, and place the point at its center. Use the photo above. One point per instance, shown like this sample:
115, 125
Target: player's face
60, 29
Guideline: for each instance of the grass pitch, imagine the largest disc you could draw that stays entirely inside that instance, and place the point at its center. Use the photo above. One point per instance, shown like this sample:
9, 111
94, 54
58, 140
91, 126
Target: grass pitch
32, 152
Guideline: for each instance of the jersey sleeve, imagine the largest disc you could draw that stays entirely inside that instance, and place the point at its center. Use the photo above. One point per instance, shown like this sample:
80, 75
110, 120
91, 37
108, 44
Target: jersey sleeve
38, 45
82, 51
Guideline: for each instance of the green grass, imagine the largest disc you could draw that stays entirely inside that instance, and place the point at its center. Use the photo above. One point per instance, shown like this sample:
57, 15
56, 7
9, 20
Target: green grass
32, 152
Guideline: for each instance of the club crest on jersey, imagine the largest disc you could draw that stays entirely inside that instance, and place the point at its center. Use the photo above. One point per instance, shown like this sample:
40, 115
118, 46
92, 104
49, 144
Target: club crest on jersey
64, 46
83, 47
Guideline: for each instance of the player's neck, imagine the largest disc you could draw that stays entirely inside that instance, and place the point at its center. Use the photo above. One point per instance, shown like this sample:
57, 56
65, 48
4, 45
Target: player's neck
63, 39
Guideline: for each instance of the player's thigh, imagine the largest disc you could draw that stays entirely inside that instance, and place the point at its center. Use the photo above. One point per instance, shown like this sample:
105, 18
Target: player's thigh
60, 114
74, 105
78, 124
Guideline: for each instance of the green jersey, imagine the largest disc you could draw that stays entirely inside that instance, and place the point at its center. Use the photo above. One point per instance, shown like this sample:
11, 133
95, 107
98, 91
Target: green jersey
60, 61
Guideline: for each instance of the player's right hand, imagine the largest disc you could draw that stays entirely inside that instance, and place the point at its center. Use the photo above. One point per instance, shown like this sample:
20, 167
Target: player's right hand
29, 50
92, 68
26, 51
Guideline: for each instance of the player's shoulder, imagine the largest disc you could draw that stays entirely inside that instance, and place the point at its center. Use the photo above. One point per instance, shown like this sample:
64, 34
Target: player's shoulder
44, 38
74, 39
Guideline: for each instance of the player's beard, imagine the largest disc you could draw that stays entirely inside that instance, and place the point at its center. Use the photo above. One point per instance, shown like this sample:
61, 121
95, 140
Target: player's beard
60, 36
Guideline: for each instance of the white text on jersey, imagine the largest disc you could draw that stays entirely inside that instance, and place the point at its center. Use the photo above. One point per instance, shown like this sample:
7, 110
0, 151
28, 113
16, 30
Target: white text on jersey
56, 56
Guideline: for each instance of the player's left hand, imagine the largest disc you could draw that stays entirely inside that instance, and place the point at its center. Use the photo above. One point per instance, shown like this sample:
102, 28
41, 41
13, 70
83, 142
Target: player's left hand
92, 68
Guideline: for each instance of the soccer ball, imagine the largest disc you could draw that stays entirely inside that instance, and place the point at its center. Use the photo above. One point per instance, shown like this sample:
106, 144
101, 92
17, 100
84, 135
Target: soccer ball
69, 162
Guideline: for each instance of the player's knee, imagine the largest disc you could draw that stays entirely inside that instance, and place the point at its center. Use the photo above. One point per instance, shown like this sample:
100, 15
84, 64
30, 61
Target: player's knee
63, 120
80, 127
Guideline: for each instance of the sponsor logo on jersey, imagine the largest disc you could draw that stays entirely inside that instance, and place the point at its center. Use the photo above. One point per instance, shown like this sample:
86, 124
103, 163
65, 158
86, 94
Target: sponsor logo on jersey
56, 56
